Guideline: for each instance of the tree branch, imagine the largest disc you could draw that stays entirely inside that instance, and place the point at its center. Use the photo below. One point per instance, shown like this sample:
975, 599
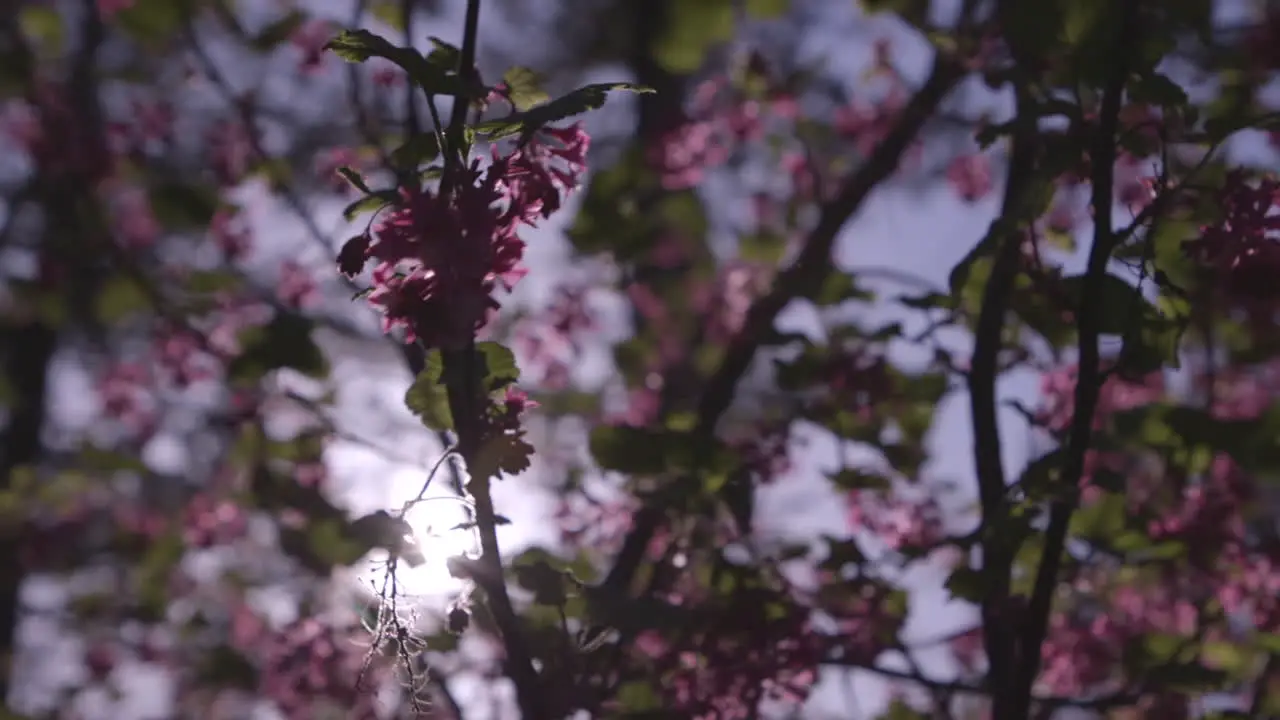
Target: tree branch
1089, 374
997, 551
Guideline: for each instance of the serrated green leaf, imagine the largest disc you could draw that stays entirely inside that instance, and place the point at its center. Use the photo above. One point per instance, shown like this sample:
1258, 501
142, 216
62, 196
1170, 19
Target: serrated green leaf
524, 88
427, 397
499, 365
584, 99
360, 45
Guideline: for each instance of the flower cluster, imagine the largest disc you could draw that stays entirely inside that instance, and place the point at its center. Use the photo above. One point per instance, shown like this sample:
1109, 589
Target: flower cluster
307, 663
442, 252
1243, 246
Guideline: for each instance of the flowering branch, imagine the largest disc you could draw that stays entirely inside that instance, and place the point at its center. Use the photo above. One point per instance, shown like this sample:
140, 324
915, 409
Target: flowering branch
809, 271
441, 253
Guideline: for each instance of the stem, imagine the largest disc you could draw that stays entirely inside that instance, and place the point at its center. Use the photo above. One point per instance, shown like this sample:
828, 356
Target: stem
1090, 376
467, 403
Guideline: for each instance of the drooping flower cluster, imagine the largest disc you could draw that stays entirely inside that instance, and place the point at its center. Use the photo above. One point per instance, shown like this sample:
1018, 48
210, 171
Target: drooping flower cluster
1243, 246
442, 254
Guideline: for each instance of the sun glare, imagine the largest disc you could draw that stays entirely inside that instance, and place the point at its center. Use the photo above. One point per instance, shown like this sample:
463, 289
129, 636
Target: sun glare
438, 523
437, 530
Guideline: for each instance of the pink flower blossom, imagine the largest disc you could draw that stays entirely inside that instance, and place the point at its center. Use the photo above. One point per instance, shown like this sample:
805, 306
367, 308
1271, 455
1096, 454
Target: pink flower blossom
441, 257
970, 176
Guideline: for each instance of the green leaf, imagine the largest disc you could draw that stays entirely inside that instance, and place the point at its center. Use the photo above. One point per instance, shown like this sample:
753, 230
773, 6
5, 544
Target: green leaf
153, 22
388, 12
967, 584
370, 203
1268, 641
284, 343
1102, 519
1121, 301
180, 206
119, 298
524, 88
153, 575
584, 99
618, 609
444, 55
279, 31
44, 26
839, 287
1080, 19
853, 479
360, 45
1157, 89
927, 301
498, 365
691, 31
1229, 657
1191, 677
427, 397
609, 219
899, 709
545, 582
226, 667
419, 150
506, 453
1150, 339
764, 246
209, 282
354, 178
380, 529
638, 697
330, 543
767, 9
631, 450
960, 280
842, 553
106, 461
